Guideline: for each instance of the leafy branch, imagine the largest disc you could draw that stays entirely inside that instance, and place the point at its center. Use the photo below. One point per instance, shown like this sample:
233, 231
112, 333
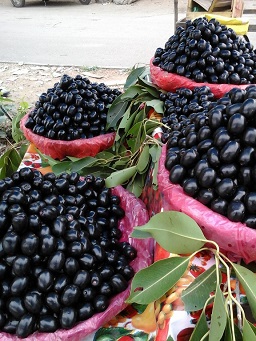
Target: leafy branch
179, 234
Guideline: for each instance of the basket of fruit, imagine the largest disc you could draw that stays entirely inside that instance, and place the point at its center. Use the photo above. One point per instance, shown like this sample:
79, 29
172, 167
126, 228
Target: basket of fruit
70, 119
66, 255
207, 170
204, 52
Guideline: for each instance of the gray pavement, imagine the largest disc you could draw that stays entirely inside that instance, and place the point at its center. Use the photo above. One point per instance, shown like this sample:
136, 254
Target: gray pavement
64, 32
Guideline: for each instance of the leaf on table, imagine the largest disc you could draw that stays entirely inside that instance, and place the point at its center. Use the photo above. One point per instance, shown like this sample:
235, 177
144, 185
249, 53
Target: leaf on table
218, 317
153, 282
248, 331
198, 292
201, 328
134, 75
175, 231
247, 278
120, 177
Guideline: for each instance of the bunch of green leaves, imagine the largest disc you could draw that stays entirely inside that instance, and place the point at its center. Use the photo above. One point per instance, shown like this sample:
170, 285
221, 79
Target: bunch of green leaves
180, 234
134, 150
16, 147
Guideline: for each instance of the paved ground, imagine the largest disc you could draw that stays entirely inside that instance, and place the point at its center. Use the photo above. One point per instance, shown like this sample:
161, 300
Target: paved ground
65, 32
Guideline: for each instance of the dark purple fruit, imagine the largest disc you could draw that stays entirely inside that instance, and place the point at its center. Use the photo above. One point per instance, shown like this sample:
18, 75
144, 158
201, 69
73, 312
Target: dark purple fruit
118, 283
26, 325
250, 202
207, 177
236, 124
56, 261
219, 205
225, 188
11, 242
236, 211
45, 281
19, 285
230, 151
52, 301
85, 311
16, 307
100, 303
177, 174
47, 324
33, 302
61, 282
68, 317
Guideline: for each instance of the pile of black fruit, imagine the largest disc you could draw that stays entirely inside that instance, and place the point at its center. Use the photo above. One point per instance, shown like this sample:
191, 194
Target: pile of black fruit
207, 51
74, 108
182, 106
218, 168
61, 259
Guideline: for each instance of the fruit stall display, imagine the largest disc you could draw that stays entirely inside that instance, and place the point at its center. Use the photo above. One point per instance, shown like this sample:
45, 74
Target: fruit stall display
67, 116
65, 253
183, 142
204, 51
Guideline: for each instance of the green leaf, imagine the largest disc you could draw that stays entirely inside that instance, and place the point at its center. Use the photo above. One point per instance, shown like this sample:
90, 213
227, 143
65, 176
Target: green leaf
64, 166
248, 331
138, 137
201, 328
149, 87
115, 113
120, 177
131, 92
136, 184
144, 97
143, 160
218, 317
170, 230
106, 155
157, 104
198, 292
84, 162
139, 117
151, 283
134, 75
155, 152
130, 121
247, 278
151, 125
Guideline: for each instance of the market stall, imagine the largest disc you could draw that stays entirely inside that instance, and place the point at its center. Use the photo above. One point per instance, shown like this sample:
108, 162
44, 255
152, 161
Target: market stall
155, 182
